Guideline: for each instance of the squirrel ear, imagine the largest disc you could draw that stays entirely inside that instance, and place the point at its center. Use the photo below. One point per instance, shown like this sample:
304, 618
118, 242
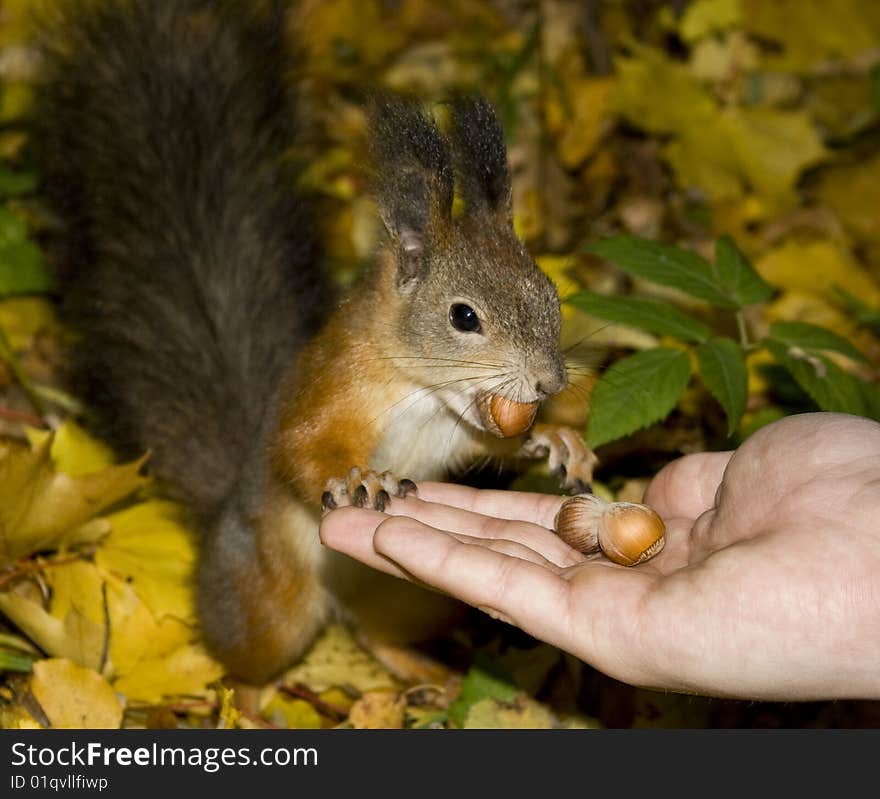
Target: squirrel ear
481, 156
414, 179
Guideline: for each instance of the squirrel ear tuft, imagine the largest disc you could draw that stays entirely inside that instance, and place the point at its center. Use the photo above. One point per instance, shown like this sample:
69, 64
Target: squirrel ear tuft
414, 178
481, 156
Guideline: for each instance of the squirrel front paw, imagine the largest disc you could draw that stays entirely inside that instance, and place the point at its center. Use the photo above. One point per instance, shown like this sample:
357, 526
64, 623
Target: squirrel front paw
365, 489
567, 453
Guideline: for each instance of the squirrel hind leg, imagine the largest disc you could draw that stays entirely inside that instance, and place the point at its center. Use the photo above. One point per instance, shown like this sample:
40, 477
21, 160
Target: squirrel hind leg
260, 598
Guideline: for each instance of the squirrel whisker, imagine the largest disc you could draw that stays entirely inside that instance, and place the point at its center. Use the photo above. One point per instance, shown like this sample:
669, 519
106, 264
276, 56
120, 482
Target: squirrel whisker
429, 360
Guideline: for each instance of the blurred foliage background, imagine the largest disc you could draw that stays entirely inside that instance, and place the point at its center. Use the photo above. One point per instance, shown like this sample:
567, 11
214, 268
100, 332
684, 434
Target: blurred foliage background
679, 121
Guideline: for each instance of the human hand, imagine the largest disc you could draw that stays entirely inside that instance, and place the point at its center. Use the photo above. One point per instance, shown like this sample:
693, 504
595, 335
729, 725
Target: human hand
768, 586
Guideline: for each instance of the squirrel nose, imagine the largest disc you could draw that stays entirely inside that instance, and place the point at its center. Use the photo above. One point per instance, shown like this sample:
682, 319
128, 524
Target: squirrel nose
552, 383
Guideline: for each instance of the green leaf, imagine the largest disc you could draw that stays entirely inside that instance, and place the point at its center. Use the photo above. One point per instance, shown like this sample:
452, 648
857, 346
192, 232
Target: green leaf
483, 680
737, 276
664, 264
13, 229
860, 311
825, 382
723, 369
15, 661
22, 268
871, 397
16, 184
18, 644
651, 315
813, 338
636, 392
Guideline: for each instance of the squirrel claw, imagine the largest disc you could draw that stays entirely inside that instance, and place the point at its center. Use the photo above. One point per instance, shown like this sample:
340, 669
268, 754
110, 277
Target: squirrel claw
579, 487
569, 457
382, 500
405, 488
360, 496
366, 489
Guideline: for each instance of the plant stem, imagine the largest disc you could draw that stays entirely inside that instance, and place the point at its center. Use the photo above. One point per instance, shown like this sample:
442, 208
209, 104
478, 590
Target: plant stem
743, 331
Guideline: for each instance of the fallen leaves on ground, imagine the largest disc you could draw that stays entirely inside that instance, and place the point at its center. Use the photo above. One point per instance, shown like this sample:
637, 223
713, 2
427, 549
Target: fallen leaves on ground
678, 122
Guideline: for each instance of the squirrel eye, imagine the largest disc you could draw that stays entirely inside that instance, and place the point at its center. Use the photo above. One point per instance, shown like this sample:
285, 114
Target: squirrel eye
464, 318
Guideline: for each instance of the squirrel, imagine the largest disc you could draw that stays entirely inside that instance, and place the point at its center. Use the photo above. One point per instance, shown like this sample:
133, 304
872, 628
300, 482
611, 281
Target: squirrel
208, 332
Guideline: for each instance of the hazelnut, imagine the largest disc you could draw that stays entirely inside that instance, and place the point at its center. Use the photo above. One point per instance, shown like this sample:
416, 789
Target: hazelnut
504, 417
627, 532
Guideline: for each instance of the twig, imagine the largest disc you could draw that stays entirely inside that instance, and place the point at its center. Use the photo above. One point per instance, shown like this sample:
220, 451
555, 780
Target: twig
257, 719
300, 691
22, 416
105, 654
28, 567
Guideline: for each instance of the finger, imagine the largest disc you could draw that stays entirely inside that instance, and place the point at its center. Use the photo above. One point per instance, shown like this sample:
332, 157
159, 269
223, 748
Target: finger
687, 486
514, 549
524, 592
538, 509
677, 552
598, 611
593, 611
350, 530
478, 525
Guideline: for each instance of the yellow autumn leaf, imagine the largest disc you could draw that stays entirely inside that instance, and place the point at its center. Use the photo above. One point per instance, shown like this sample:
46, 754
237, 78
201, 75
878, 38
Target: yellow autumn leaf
521, 713
816, 267
703, 17
340, 27
716, 60
582, 120
556, 268
79, 600
17, 717
149, 545
747, 149
96, 598
808, 33
725, 152
528, 217
22, 317
229, 712
291, 713
73, 450
660, 95
772, 148
74, 697
75, 636
705, 163
852, 191
378, 710
336, 660
135, 633
39, 506
18, 18
842, 105
188, 670
85, 600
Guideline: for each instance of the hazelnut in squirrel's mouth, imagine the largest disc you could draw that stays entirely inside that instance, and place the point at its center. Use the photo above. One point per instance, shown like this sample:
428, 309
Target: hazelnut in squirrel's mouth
504, 417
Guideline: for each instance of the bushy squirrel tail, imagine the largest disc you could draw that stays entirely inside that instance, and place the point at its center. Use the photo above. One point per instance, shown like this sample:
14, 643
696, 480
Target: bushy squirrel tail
187, 266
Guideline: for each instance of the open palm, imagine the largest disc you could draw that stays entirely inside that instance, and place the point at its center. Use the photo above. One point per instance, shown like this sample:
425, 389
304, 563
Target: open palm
768, 587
